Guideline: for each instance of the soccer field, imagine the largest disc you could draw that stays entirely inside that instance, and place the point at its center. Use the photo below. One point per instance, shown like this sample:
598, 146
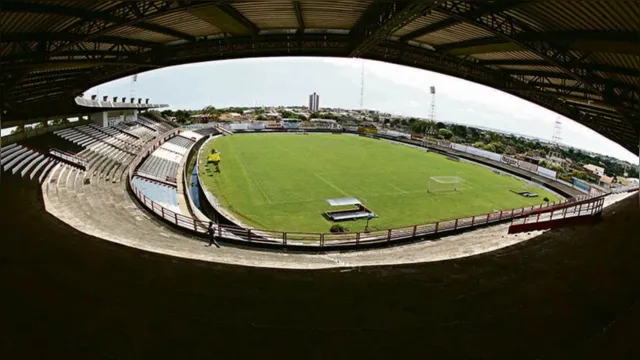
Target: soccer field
282, 181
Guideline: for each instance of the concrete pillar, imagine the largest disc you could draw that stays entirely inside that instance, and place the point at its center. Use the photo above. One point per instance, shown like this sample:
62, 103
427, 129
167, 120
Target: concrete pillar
100, 119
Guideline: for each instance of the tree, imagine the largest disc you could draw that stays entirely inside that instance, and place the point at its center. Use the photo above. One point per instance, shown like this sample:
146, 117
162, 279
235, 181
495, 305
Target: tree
459, 131
440, 125
445, 133
59, 121
490, 147
288, 114
497, 147
17, 130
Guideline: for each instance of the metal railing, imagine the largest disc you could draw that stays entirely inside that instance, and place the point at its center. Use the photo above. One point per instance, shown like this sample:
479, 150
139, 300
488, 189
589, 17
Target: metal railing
349, 239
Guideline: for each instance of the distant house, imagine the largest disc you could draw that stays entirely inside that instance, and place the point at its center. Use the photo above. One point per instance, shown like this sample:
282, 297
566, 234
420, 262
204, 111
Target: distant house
557, 161
596, 170
605, 181
231, 117
200, 118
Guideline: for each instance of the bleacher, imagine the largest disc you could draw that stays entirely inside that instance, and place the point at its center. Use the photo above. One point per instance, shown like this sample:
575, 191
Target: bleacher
160, 193
88, 136
142, 132
206, 131
159, 126
181, 141
17, 158
161, 169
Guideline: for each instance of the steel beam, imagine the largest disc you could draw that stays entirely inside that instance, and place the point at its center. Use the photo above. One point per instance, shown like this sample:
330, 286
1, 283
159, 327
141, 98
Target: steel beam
597, 41
68, 37
299, 17
119, 14
383, 18
471, 9
584, 65
60, 64
239, 18
553, 51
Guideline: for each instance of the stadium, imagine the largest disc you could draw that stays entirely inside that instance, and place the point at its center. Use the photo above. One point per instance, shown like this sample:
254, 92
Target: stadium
333, 241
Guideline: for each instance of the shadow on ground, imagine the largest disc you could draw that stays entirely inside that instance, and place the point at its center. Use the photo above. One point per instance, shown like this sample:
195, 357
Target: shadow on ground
571, 293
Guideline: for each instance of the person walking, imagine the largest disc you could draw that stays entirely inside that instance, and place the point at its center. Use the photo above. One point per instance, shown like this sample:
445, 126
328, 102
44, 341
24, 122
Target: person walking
212, 235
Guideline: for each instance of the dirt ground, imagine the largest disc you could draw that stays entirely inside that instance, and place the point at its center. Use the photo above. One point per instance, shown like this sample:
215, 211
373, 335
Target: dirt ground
569, 293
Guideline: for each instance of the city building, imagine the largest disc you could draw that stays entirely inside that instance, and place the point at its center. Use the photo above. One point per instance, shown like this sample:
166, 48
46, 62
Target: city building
314, 102
597, 170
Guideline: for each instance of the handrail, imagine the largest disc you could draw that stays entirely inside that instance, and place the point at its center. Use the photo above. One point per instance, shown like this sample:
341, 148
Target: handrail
314, 239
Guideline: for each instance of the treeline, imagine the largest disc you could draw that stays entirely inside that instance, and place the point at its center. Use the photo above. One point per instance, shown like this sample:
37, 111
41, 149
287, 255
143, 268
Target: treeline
511, 145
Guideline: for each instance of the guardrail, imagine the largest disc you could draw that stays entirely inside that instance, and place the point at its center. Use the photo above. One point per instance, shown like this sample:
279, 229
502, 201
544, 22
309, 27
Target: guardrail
69, 158
335, 240
564, 215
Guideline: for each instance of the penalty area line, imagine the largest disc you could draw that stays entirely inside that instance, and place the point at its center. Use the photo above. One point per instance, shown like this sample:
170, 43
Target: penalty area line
330, 184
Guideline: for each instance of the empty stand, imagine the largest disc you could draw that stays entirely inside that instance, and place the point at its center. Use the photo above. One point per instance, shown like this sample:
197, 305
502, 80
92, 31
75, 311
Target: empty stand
25, 161
160, 169
181, 141
165, 195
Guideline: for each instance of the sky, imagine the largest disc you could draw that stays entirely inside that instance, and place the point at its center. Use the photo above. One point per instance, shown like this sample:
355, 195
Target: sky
387, 87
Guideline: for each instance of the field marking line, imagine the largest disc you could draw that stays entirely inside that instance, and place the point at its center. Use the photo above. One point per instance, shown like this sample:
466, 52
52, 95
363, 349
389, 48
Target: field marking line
246, 171
331, 184
397, 188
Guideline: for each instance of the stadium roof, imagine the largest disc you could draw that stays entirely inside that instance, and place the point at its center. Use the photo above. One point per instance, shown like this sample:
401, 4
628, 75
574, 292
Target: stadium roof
579, 58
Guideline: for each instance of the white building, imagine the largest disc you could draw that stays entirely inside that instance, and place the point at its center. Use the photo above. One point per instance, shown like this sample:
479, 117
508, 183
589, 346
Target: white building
314, 102
595, 169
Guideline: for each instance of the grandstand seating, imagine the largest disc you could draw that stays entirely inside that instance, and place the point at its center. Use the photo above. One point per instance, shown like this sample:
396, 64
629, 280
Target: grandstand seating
19, 159
159, 126
158, 168
181, 141
206, 131
165, 195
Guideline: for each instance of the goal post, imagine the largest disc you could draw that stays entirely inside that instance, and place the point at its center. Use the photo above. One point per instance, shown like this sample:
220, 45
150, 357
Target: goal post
445, 183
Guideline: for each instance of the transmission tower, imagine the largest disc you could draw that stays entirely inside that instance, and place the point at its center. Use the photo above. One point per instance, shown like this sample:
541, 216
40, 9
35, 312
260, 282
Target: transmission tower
557, 137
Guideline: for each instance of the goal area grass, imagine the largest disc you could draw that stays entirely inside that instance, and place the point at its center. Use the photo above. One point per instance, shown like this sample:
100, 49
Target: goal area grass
282, 181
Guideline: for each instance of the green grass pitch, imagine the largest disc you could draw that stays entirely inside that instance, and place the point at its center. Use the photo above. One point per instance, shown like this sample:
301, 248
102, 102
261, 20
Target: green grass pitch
282, 181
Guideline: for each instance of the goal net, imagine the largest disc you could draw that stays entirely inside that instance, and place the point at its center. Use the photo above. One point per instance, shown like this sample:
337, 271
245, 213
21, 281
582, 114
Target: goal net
445, 183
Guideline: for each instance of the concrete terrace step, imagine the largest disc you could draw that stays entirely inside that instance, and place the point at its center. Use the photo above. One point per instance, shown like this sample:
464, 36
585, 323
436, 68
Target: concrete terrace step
30, 165
46, 170
17, 159
24, 162
9, 157
7, 149
40, 164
